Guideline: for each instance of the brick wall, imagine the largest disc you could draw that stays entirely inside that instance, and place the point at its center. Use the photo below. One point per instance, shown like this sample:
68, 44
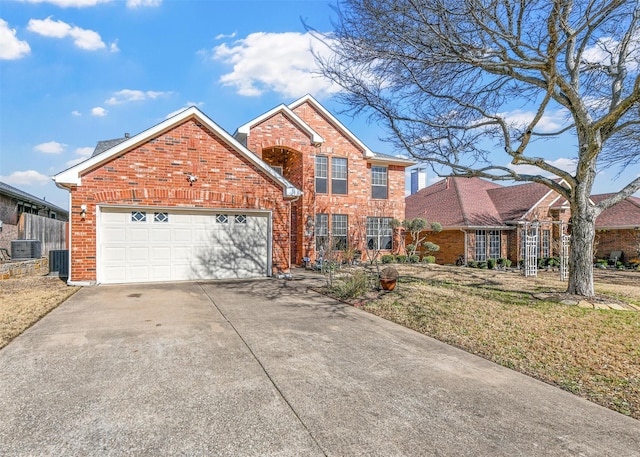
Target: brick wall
281, 142
155, 174
627, 241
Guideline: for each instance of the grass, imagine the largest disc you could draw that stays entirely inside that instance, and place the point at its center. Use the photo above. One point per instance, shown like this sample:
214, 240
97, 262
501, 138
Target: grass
24, 301
592, 353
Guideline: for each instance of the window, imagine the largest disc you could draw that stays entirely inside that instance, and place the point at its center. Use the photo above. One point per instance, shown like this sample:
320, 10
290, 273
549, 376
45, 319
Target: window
338, 175
339, 231
321, 174
494, 244
322, 231
481, 245
160, 217
138, 216
379, 182
240, 219
277, 169
379, 233
222, 218
546, 243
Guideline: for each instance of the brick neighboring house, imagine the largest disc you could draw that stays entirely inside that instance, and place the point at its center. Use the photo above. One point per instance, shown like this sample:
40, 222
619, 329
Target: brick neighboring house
15, 202
185, 199
483, 220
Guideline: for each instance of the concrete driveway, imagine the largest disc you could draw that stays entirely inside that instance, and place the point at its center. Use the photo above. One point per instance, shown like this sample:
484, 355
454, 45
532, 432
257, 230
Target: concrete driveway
267, 367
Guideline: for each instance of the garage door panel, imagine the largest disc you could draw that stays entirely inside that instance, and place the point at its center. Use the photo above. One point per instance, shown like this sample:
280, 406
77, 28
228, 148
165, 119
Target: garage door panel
181, 245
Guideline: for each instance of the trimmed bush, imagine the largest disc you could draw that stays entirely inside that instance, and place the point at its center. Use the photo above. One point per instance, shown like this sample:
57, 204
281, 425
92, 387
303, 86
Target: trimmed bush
506, 263
401, 258
428, 259
491, 264
482, 265
472, 264
388, 258
414, 258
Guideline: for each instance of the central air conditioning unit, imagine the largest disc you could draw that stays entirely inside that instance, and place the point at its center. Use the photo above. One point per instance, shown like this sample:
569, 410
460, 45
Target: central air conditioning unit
26, 249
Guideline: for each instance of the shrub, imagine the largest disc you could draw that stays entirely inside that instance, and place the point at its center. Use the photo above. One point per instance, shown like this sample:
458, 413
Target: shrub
491, 264
504, 262
472, 264
411, 249
353, 285
401, 258
542, 262
482, 265
428, 259
414, 258
388, 258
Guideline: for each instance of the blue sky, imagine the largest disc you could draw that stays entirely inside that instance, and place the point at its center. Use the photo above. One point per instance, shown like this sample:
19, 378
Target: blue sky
73, 72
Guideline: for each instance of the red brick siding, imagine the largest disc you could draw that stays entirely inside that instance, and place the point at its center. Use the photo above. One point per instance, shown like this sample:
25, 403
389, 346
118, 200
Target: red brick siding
627, 241
155, 174
278, 141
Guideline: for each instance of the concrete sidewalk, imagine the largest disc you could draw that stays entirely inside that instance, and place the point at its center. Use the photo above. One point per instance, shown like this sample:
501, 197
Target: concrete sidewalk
268, 367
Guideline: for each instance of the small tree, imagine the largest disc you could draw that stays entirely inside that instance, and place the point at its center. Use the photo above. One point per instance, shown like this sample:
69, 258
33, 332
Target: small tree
417, 229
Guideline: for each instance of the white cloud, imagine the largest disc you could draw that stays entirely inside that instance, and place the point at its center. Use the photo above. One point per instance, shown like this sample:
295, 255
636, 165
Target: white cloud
549, 122
76, 113
563, 163
82, 38
98, 111
69, 3
82, 155
113, 47
187, 105
10, 46
142, 3
222, 36
128, 95
278, 62
51, 147
26, 178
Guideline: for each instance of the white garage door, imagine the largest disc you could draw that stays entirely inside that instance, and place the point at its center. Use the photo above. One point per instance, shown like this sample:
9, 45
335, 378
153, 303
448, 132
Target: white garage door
144, 245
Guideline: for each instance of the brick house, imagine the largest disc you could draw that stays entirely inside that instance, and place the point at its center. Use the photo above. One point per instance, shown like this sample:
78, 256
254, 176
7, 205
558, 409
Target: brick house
483, 220
186, 200
14, 203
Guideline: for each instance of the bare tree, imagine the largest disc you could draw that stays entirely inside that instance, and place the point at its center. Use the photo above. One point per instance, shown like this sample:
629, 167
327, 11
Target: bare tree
441, 74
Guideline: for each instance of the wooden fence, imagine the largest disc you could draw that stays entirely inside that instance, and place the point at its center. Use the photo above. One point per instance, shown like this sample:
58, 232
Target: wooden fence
51, 232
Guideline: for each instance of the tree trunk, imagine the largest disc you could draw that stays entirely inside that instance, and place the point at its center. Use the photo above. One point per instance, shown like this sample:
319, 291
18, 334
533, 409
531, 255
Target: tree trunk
583, 229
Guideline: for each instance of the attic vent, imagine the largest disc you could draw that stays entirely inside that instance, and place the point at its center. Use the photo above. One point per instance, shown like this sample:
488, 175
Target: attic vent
127, 135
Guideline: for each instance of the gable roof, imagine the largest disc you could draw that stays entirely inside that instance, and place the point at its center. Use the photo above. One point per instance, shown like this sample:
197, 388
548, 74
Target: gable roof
105, 145
242, 132
625, 214
515, 202
73, 175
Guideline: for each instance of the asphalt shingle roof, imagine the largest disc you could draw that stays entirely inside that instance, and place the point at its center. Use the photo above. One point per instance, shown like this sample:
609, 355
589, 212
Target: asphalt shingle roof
473, 202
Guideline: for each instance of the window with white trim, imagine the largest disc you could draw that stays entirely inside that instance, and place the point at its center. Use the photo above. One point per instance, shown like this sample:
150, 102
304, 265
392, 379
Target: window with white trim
379, 182
321, 174
321, 230
379, 233
338, 175
339, 230
138, 216
494, 244
240, 219
481, 245
222, 218
160, 217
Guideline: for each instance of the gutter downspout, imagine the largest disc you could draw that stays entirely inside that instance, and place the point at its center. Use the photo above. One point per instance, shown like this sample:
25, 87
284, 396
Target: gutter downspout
466, 246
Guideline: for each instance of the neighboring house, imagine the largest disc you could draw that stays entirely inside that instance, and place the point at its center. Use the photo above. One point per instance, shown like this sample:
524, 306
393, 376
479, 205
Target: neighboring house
483, 220
186, 200
15, 202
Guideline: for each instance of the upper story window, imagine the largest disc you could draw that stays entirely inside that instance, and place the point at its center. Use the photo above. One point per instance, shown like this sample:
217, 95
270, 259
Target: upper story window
338, 175
321, 174
379, 182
